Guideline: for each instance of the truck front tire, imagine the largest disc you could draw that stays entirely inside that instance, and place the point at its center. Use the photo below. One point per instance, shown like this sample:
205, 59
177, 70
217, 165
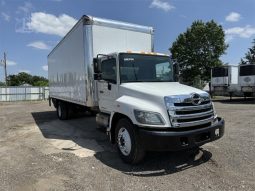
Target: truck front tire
128, 142
62, 111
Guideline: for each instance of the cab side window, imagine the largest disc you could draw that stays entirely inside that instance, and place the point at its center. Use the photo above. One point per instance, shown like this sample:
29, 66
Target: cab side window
108, 68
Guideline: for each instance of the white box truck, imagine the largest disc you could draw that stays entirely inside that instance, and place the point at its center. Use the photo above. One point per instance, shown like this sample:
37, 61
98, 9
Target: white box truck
110, 67
224, 80
247, 79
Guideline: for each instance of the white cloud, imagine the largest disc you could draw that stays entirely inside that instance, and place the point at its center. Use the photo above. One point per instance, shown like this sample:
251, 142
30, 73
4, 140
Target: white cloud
39, 45
233, 17
5, 16
229, 38
45, 67
26, 71
50, 24
242, 32
163, 5
25, 8
11, 63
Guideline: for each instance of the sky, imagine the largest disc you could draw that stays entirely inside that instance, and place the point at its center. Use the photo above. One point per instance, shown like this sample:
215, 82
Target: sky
30, 29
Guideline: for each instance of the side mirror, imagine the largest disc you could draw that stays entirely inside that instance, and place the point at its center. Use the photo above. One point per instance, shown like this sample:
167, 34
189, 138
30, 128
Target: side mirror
97, 69
97, 66
176, 72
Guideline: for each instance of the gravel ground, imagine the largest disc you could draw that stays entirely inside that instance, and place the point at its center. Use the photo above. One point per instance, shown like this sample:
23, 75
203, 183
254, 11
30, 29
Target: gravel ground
39, 152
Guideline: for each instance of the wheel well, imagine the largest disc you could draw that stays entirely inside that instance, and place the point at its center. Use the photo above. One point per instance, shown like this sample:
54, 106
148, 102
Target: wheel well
116, 117
55, 102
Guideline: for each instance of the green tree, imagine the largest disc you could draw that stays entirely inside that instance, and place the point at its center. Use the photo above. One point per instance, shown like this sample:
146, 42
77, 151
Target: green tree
19, 79
198, 50
250, 55
12, 80
2, 83
41, 83
25, 78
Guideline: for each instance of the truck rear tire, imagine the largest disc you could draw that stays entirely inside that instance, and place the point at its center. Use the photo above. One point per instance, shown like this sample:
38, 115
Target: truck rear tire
128, 142
62, 110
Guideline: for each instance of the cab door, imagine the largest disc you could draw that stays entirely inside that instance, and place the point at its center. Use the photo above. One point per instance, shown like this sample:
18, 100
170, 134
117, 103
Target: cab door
107, 86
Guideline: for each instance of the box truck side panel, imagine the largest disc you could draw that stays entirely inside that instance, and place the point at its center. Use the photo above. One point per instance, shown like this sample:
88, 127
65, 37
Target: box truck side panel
220, 76
247, 75
71, 61
91, 89
108, 39
220, 81
247, 80
67, 71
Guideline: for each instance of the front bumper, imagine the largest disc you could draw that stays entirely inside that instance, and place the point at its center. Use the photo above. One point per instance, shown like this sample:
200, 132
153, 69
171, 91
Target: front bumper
177, 140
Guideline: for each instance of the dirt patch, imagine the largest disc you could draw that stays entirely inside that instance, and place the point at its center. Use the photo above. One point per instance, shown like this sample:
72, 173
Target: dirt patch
39, 152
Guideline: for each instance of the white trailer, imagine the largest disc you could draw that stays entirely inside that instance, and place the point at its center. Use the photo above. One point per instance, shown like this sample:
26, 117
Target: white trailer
224, 80
110, 67
247, 79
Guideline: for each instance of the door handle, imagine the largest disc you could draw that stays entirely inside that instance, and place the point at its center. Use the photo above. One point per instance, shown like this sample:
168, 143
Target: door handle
101, 92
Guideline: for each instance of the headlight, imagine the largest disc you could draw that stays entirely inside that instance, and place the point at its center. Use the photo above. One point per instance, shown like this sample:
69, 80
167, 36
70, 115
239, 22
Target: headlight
150, 118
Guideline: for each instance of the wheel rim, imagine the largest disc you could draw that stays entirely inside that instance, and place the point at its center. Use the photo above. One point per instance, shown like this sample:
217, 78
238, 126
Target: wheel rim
124, 141
59, 111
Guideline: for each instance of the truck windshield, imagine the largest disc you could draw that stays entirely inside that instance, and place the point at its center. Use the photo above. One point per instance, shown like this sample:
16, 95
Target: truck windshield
145, 68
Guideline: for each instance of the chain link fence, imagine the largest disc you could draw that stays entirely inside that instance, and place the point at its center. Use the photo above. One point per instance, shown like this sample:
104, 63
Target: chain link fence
23, 93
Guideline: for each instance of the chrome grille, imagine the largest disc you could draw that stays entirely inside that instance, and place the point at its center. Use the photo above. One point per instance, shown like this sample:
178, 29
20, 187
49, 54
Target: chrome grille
183, 113
190, 104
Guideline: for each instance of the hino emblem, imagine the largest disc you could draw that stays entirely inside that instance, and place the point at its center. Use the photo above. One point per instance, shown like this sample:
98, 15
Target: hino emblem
196, 99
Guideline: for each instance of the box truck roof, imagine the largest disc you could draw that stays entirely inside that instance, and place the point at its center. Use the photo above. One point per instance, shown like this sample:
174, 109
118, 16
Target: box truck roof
89, 20
116, 24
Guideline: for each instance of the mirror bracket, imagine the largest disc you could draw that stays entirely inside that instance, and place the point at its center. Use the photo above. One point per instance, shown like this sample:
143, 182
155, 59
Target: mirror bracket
97, 76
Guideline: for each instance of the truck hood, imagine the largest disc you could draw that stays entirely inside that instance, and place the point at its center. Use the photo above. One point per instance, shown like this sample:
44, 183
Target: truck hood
161, 89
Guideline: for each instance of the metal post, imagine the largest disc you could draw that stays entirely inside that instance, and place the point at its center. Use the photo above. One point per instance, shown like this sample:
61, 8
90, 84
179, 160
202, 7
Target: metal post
210, 84
43, 93
5, 69
25, 93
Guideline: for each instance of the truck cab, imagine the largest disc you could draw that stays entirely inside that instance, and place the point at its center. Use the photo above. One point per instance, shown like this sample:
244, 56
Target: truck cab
143, 107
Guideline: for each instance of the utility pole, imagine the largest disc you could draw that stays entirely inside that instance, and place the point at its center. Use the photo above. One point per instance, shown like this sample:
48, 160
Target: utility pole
5, 69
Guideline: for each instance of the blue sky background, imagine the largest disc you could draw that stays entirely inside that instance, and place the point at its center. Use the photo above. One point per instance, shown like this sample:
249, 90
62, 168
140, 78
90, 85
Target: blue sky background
30, 29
